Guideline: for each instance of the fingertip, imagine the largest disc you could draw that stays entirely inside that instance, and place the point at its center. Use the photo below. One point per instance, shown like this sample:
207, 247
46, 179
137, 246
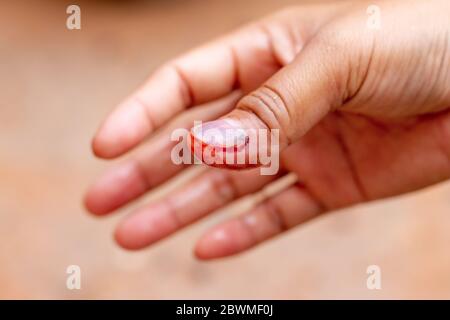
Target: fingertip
122, 130
111, 143
145, 227
214, 244
115, 188
133, 232
107, 143
91, 204
122, 238
102, 149
199, 255
96, 201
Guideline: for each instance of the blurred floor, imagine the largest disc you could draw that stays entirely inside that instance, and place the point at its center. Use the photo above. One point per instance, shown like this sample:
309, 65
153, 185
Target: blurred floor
56, 85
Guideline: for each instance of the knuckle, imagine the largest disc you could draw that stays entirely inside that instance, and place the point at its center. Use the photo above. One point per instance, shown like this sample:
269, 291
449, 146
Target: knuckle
186, 92
275, 214
224, 186
141, 103
270, 107
173, 213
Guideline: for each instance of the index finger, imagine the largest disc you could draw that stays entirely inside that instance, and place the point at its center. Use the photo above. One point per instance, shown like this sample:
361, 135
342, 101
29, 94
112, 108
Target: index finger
241, 60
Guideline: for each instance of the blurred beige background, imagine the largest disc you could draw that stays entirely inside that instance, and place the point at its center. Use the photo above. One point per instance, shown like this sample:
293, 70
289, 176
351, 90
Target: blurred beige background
56, 85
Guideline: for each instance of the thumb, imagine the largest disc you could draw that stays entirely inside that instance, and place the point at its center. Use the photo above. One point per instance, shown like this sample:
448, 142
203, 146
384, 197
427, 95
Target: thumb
289, 103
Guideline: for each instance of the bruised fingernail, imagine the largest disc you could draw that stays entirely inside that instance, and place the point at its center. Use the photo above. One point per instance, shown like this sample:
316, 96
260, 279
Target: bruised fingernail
223, 134
220, 143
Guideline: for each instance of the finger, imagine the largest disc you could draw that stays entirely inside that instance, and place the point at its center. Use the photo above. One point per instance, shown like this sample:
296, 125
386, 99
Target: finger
288, 104
271, 217
208, 192
152, 164
243, 59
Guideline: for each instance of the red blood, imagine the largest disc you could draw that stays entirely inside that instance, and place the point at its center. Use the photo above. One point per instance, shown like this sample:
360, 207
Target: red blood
209, 144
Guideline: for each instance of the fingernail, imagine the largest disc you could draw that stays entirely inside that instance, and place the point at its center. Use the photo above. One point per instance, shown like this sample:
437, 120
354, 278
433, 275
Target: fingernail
225, 134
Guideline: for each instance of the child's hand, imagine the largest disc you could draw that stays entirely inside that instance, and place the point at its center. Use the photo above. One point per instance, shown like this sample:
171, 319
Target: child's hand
363, 114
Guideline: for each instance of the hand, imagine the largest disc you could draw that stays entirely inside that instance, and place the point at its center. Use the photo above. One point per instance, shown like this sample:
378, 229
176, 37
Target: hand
363, 114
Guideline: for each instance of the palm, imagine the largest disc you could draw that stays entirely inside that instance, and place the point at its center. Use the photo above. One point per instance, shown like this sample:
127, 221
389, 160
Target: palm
349, 158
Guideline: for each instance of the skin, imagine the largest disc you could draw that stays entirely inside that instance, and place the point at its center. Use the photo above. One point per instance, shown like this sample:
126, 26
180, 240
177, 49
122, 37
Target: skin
363, 115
